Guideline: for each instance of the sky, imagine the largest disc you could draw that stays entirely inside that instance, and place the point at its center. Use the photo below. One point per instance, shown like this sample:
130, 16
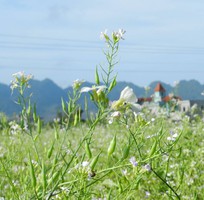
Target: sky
60, 39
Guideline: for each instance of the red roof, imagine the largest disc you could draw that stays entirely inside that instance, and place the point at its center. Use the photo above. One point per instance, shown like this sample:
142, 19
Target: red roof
159, 88
144, 99
166, 98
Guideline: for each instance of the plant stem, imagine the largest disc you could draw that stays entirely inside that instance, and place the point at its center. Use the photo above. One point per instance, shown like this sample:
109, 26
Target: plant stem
166, 183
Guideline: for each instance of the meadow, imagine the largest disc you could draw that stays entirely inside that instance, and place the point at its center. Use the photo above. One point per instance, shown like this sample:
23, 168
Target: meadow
123, 151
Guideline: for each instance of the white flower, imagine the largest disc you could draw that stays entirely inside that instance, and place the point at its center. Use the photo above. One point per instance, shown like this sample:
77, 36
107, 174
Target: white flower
98, 88
127, 96
124, 172
84, 163
116, 114
147, 167
119, 34
103, 34
133, 161
21, 73
173, 136
147, 194
20, 79
113, 116
77, 83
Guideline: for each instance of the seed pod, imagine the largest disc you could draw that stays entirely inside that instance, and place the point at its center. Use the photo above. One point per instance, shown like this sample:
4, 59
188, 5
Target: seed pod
49, 153
44, 176
97, 77
53, 178
88, 150
94, 162
120, 188
63, 105
75, 119
35, 118
32, 173
112, 146
54, 163
126, 151
70, 106
153, 149
56, 133
29, 109
112, 85
39, 125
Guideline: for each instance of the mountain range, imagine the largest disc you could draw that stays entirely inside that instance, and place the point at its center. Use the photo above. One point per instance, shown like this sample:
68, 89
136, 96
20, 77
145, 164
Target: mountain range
47, 95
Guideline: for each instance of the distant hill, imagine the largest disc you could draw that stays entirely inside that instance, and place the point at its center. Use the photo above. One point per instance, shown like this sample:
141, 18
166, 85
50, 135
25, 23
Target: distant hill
47, 95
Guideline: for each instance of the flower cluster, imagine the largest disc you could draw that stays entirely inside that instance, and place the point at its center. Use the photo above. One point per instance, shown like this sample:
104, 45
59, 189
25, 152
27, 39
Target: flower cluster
77, 84
116, 35
21, 80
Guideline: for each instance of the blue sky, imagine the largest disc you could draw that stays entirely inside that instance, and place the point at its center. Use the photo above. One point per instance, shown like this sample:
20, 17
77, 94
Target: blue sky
59, 39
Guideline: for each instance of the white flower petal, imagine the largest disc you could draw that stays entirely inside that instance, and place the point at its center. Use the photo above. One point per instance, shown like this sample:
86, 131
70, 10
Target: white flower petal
136, 107
128, 95
100, 88
86, 89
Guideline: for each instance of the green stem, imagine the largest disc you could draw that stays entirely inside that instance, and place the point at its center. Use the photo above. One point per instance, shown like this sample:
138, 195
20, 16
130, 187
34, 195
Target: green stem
140, 155
166, 183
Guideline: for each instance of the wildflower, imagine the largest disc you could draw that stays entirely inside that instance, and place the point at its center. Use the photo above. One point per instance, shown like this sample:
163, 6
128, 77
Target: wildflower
97, 88
133, 161
173, 136
113, 116
20, 80
104, 35
84, 164
83, 168
76, 84
147, 167
147, 194
119, 34
127, 97
124, 172
14, 128
150, 136
98, 94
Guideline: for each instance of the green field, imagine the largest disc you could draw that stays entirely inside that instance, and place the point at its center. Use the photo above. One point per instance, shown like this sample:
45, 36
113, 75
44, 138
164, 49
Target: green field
60, 165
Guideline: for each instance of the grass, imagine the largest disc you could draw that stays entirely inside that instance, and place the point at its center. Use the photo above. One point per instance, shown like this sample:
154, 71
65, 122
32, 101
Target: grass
179, 163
